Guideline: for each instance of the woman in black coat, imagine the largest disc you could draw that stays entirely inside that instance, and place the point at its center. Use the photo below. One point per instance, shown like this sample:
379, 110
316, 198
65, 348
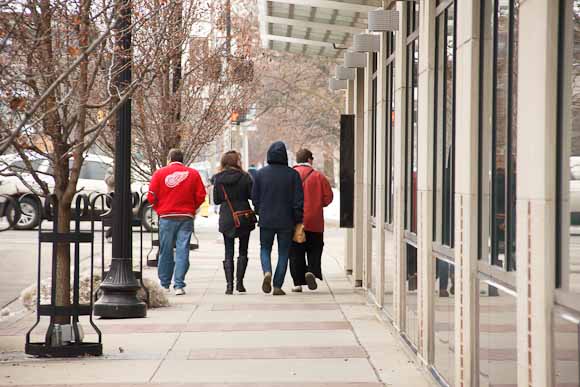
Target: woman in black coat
236, 185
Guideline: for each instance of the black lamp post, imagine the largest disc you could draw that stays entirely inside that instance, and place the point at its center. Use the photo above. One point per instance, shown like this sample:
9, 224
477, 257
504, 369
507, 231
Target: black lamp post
119, 288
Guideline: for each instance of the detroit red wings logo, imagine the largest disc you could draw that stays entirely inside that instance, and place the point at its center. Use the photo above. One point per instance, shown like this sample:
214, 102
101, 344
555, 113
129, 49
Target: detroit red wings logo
173, 180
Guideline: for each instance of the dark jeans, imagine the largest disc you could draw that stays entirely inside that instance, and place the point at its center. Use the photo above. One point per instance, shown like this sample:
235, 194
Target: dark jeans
266, 241
311, 249
230, 246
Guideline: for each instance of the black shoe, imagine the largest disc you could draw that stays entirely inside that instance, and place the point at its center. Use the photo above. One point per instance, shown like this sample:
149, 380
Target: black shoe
229, 272
311, 281
413, 282
240, 273
278, 292
267, 283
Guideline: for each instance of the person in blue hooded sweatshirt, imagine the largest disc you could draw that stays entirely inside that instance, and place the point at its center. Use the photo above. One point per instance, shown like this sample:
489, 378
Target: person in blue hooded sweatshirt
279, 202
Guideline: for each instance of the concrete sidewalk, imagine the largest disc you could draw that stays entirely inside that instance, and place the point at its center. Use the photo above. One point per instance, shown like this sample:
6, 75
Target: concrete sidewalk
329, 337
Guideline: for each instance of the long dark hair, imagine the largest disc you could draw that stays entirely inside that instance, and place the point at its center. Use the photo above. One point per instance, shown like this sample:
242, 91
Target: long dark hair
231, 160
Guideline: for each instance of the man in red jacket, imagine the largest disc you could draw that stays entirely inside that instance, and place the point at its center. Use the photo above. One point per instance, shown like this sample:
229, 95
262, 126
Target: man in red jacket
176, 192
317, 195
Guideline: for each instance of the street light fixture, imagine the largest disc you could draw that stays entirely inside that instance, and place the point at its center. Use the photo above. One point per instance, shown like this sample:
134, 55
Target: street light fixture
119, 288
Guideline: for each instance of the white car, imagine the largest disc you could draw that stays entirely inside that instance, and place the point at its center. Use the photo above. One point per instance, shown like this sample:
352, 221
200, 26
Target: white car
91, 180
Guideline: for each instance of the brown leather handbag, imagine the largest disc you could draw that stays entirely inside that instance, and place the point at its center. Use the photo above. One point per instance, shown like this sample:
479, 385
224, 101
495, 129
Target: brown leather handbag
246, 218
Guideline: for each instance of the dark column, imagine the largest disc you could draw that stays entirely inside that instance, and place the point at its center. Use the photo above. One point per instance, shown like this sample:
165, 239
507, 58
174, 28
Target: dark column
119, 288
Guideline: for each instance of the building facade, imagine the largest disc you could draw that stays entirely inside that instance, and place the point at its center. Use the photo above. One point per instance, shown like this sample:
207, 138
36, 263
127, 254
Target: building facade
467, 177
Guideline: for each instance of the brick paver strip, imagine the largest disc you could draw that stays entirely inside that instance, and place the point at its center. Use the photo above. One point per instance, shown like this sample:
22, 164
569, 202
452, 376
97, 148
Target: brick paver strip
269, 384
226, 327
274, 307
339, 352
498, 354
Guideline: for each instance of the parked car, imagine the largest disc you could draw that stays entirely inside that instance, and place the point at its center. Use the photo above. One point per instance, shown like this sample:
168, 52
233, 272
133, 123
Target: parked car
91, 181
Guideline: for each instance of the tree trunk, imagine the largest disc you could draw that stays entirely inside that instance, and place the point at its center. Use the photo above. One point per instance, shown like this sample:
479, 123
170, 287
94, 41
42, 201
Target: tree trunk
63, 214
63, 294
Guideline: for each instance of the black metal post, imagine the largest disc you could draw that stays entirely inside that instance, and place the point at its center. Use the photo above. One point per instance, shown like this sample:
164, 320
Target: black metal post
119, 289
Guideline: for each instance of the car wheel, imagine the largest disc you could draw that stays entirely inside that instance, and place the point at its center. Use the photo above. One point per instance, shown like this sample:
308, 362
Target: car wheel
150, 219
29, 214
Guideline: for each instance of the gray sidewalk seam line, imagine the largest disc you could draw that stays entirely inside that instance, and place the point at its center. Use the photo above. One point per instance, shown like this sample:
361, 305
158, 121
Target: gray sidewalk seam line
422, 366
196, 307
353, 330
388, 326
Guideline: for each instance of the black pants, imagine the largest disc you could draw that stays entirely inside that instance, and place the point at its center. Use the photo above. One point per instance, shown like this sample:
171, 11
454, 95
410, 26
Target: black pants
444, 271
243, 247
311, 249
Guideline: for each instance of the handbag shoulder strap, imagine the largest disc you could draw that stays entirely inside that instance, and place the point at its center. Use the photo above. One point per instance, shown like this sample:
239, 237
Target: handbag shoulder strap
307, 175
228, 199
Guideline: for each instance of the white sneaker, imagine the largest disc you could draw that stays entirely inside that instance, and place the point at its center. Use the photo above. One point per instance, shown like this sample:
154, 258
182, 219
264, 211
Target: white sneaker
179, 292
297, 289
166, 290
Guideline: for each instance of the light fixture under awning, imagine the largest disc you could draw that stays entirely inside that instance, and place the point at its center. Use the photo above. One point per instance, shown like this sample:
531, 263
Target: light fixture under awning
355, 59
337, 84
383, 20
366, 43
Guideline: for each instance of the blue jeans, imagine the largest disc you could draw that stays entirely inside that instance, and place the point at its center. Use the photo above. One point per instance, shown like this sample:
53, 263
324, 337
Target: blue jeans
174, 233
284, 241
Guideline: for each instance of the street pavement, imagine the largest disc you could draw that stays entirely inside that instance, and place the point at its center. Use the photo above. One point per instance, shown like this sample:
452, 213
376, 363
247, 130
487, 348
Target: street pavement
328, 337
18, 263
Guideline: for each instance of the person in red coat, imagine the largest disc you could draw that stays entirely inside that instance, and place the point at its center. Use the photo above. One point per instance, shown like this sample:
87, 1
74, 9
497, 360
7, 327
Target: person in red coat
176, 192
317, 195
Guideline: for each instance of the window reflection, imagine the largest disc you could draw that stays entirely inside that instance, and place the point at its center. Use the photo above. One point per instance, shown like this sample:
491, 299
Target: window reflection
375, 108
569, 275
389, 273
410, 162
390, 125
444, 325
411, 138
497, 337
411, 313
498, 122
567, 348
444, 131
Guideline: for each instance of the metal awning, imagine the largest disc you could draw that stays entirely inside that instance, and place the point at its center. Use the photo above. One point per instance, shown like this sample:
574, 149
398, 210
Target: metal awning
312, 27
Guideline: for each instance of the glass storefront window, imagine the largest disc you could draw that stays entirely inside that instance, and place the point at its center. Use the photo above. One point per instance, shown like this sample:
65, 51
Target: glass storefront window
497, 137
444, 131
389, 172
497, 336
568, 145
375, 108
390, 263
411, 133
566, 348
444, 324
390, 126
411, 169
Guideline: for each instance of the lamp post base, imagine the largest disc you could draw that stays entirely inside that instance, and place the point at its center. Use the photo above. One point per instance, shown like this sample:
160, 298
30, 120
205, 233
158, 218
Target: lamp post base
119, 293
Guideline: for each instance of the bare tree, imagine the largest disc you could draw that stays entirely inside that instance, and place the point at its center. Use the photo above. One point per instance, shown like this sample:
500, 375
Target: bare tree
57, 73
198, 83
295, 105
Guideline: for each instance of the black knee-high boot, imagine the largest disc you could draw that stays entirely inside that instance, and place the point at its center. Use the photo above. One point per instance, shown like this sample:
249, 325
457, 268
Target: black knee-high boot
229, 272
240, 273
